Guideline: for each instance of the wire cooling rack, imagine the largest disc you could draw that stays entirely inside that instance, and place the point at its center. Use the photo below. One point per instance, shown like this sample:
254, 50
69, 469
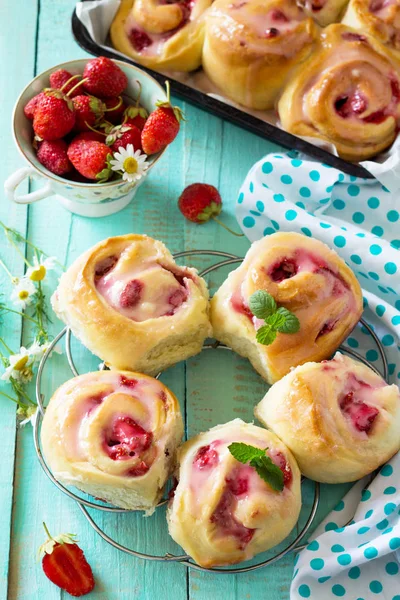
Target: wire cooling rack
84, 504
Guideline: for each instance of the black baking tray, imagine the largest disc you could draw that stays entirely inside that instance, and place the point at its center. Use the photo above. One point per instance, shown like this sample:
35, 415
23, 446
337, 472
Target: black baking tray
223, 110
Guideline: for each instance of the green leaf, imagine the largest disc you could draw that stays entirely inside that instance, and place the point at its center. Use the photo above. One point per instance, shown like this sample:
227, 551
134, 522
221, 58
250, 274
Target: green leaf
244, 453
262, 304
269, 472
291, 323
276, 321
265, 335
103, 176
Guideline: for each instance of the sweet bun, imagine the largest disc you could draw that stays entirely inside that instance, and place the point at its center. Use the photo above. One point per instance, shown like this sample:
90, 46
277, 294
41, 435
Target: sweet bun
339, 418
161, 35
380, 18
133, 306
113, 435
222, 512
347, 93
304, 276
251, 48
323, 12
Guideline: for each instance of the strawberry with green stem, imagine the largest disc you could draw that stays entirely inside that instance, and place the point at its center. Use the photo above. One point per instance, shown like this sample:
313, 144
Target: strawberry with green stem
64, 563
162, 126
135, 114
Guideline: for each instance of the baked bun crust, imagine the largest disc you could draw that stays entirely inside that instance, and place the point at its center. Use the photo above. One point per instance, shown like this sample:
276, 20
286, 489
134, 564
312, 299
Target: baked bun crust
323, 12
339, 418
113, 435
251, 48
166, 35
133, 306
347, 93
304, 276
222, 512
380, 18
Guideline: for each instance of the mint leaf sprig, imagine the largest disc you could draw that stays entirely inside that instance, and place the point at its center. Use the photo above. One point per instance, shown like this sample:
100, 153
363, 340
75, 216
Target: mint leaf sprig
258, 459
277, 320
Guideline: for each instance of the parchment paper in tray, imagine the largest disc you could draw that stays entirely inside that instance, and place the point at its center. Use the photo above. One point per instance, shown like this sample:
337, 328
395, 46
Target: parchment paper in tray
97, 17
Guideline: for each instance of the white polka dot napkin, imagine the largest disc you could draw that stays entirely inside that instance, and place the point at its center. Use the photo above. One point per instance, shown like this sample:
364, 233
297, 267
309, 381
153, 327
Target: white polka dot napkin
360, 219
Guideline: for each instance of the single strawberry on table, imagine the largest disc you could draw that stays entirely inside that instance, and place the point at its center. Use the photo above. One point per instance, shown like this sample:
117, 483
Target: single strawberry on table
201, 202
54, 115
53, 155
90, 157
64, 563
162, 126
89, 111
103, 78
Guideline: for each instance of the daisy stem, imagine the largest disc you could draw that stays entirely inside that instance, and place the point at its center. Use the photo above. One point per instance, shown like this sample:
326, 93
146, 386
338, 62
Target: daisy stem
7, 271
9, 397
227, 228
21, 314
6, 347
8, 236
20, 238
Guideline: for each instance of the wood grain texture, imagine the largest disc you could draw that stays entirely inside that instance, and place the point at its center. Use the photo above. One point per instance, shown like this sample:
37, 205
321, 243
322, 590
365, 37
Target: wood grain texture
213, 387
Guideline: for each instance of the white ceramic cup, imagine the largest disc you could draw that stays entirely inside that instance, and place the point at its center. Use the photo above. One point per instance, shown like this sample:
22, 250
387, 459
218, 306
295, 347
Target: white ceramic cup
85, 199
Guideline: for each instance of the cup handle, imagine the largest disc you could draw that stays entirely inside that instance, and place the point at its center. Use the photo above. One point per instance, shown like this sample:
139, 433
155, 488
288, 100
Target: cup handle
11, 184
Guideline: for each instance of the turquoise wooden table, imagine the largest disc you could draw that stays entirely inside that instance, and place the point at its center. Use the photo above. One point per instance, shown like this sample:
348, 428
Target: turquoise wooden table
212, 389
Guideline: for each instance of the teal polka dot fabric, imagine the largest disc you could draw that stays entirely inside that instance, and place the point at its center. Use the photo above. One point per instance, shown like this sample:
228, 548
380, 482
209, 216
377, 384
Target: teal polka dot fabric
355, 551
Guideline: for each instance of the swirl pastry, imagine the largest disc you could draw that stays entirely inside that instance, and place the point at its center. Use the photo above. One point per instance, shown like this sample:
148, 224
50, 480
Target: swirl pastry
347, 93
323, 12
222, 512
161, 34
113, 435
251, 47
304, 276
339, 418
133, 306
379, 18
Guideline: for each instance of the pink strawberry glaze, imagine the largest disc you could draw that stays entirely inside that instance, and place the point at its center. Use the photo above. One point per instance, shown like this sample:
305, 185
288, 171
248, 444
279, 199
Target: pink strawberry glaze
225, 520
128, 382
105, 266
239, 306
361, 414
126, 439
238, 484
130, 295
206, 457
279, 459
284, 269
351, 36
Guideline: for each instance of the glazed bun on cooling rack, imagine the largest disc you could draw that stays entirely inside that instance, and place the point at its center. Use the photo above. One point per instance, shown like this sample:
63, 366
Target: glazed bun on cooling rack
159, 34
323, 12
347, 93
339, 418
222, 512
379, 18
251, 48
113, 435
133, 306
304, 276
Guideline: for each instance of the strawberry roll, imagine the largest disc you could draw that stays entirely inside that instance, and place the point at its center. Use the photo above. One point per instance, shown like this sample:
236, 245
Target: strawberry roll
300, 275
339, 418
252, 47
113, 435
323, 12
347, 93
161, 34
224, 511
379, 18
132, 305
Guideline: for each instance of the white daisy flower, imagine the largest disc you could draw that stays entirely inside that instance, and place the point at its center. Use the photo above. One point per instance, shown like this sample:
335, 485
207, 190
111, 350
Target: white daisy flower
30, 414
132, 164
23, 292
37, 350
20, 367
40, 267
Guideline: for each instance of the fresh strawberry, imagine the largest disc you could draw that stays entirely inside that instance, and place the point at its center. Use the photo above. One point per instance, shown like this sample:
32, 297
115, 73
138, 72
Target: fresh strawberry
88, 112
201, 202
30, 107
122, 135
115, 108
135, 115
90, 157
104, 78
64, 563
161, 127
53, 156
59, 78
54, 115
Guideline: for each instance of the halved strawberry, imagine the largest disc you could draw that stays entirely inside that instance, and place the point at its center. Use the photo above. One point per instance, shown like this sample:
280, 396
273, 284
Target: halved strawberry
64, 563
